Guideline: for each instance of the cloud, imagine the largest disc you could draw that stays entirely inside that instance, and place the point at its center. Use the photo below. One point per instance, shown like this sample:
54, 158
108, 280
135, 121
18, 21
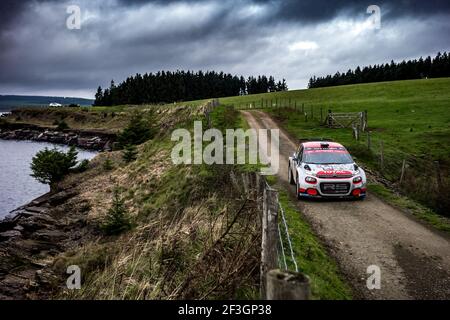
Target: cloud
289, 39
303, 45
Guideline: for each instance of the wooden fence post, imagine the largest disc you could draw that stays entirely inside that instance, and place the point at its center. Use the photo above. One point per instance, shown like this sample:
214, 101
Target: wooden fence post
365, 121
369, 146
269, 254
403, 171
285, 285
303, 108
330, 118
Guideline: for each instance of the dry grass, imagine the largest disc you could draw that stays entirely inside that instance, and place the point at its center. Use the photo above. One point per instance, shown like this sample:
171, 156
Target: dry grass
196, 234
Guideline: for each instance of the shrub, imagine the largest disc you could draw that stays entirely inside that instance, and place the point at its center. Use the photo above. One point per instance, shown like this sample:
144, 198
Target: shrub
117, 220
62, 125
49, 166
129, 153
108, 165
137, 131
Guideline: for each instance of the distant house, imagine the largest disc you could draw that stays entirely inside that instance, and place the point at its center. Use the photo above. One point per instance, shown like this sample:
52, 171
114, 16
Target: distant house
54, 104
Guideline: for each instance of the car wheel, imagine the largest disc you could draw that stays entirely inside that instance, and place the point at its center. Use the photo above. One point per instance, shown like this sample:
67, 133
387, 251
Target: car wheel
290, 178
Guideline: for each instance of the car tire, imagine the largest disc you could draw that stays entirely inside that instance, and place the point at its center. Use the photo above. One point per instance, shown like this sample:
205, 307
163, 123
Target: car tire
296, 190
290, 178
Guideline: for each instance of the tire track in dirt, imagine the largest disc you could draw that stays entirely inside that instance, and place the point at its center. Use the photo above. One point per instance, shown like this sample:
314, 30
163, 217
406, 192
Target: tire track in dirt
414, 260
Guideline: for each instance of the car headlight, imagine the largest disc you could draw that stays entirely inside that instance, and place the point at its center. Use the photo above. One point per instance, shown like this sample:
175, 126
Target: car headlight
357, 179
311, 180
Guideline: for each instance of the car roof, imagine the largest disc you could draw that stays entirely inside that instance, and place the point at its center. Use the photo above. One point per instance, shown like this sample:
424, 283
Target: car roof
318, 144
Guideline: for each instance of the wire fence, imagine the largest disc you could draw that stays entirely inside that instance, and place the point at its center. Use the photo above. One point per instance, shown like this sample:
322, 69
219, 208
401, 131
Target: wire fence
284, 240
419, 176
287, 237
278, 261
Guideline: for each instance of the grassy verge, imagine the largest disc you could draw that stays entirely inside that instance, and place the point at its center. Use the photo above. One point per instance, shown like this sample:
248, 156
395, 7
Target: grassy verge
411, 206
311, 256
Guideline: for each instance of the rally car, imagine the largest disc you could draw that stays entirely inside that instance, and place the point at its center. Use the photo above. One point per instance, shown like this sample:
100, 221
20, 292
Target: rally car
322, 169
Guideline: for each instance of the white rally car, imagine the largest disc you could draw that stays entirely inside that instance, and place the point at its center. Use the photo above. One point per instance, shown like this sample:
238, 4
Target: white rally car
326, 169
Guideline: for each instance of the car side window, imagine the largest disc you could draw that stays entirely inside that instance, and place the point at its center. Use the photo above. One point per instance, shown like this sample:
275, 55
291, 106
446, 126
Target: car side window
300, 154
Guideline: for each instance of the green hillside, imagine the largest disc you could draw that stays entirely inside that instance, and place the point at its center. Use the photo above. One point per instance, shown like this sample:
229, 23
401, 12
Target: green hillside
415, 111
411, 118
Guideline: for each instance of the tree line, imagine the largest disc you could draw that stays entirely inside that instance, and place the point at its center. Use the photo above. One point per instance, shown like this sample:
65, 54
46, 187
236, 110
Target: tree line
166, 86
436, 67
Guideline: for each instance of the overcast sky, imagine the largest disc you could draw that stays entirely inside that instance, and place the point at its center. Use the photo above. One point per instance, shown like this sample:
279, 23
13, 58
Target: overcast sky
292, 39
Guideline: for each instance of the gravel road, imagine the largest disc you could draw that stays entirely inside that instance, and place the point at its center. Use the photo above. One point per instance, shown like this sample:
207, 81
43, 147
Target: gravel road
414, 260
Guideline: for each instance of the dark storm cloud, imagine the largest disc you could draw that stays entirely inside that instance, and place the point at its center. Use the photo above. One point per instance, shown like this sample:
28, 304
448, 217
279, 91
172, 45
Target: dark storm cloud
290, 39
304, 10
318, 10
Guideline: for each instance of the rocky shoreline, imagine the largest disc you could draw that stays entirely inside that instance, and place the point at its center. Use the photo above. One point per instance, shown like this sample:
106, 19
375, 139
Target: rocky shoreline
90, 140
31, 235
42, 228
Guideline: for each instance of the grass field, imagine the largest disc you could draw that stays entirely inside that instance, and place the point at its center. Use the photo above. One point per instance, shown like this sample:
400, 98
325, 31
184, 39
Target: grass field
410, 118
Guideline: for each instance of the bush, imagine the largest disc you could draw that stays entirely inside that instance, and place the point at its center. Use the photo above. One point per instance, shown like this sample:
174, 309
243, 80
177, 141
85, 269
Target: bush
117, 220
108, 165
129, 153
138, 131
62, 125
49, 166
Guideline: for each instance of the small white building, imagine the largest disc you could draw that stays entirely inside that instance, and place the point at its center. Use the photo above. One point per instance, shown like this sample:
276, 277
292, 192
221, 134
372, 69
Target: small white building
54, 104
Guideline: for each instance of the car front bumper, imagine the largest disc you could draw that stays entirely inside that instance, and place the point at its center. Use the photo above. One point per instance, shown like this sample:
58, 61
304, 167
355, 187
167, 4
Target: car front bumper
333, 188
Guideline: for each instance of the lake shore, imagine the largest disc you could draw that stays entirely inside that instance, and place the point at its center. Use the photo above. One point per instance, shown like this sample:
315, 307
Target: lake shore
85, 139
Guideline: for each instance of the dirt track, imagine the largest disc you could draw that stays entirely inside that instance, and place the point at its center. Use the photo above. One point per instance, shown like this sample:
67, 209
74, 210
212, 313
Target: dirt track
414, 260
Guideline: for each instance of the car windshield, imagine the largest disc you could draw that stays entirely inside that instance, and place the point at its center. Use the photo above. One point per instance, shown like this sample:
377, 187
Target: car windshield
327, 157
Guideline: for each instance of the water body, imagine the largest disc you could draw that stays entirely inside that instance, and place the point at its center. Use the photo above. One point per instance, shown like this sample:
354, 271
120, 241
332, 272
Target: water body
17, 187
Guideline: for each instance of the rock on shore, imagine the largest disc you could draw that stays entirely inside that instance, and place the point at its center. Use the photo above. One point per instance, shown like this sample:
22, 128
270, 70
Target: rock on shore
31, 236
